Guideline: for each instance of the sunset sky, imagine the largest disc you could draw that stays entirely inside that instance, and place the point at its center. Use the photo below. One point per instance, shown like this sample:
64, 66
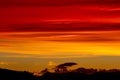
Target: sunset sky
35, 34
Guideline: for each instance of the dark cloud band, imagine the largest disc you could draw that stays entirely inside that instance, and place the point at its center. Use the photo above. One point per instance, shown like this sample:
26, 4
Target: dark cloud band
57, 2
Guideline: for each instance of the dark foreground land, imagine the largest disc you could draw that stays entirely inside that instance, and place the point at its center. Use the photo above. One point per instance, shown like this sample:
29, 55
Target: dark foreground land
79, 74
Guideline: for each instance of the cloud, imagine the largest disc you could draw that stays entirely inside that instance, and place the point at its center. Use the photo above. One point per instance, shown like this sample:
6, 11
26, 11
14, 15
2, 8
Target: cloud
8, 39
51, 63
62, 26
6, 63
50, 55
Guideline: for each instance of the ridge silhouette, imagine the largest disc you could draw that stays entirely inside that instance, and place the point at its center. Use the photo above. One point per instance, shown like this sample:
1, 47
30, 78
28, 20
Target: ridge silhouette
75, 74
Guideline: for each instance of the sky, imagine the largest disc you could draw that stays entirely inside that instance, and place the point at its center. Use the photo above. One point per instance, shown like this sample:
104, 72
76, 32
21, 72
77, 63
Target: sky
35, 34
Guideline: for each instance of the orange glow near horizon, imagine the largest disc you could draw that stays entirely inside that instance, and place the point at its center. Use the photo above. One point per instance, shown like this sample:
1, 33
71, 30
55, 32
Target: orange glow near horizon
58, 45
61, 45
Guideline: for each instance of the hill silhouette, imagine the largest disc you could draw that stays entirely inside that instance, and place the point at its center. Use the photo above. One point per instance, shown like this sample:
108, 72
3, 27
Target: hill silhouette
6, 74
75, 74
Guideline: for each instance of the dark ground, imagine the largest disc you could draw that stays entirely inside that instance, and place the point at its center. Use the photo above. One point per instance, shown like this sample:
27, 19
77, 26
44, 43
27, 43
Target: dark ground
81, 74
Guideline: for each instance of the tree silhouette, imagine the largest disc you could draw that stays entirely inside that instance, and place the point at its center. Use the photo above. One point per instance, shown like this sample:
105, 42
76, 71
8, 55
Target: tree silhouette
44, 71
63, 67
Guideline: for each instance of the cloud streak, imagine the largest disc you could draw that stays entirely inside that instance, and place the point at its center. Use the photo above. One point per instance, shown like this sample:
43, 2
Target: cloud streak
62, 26
83, 36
